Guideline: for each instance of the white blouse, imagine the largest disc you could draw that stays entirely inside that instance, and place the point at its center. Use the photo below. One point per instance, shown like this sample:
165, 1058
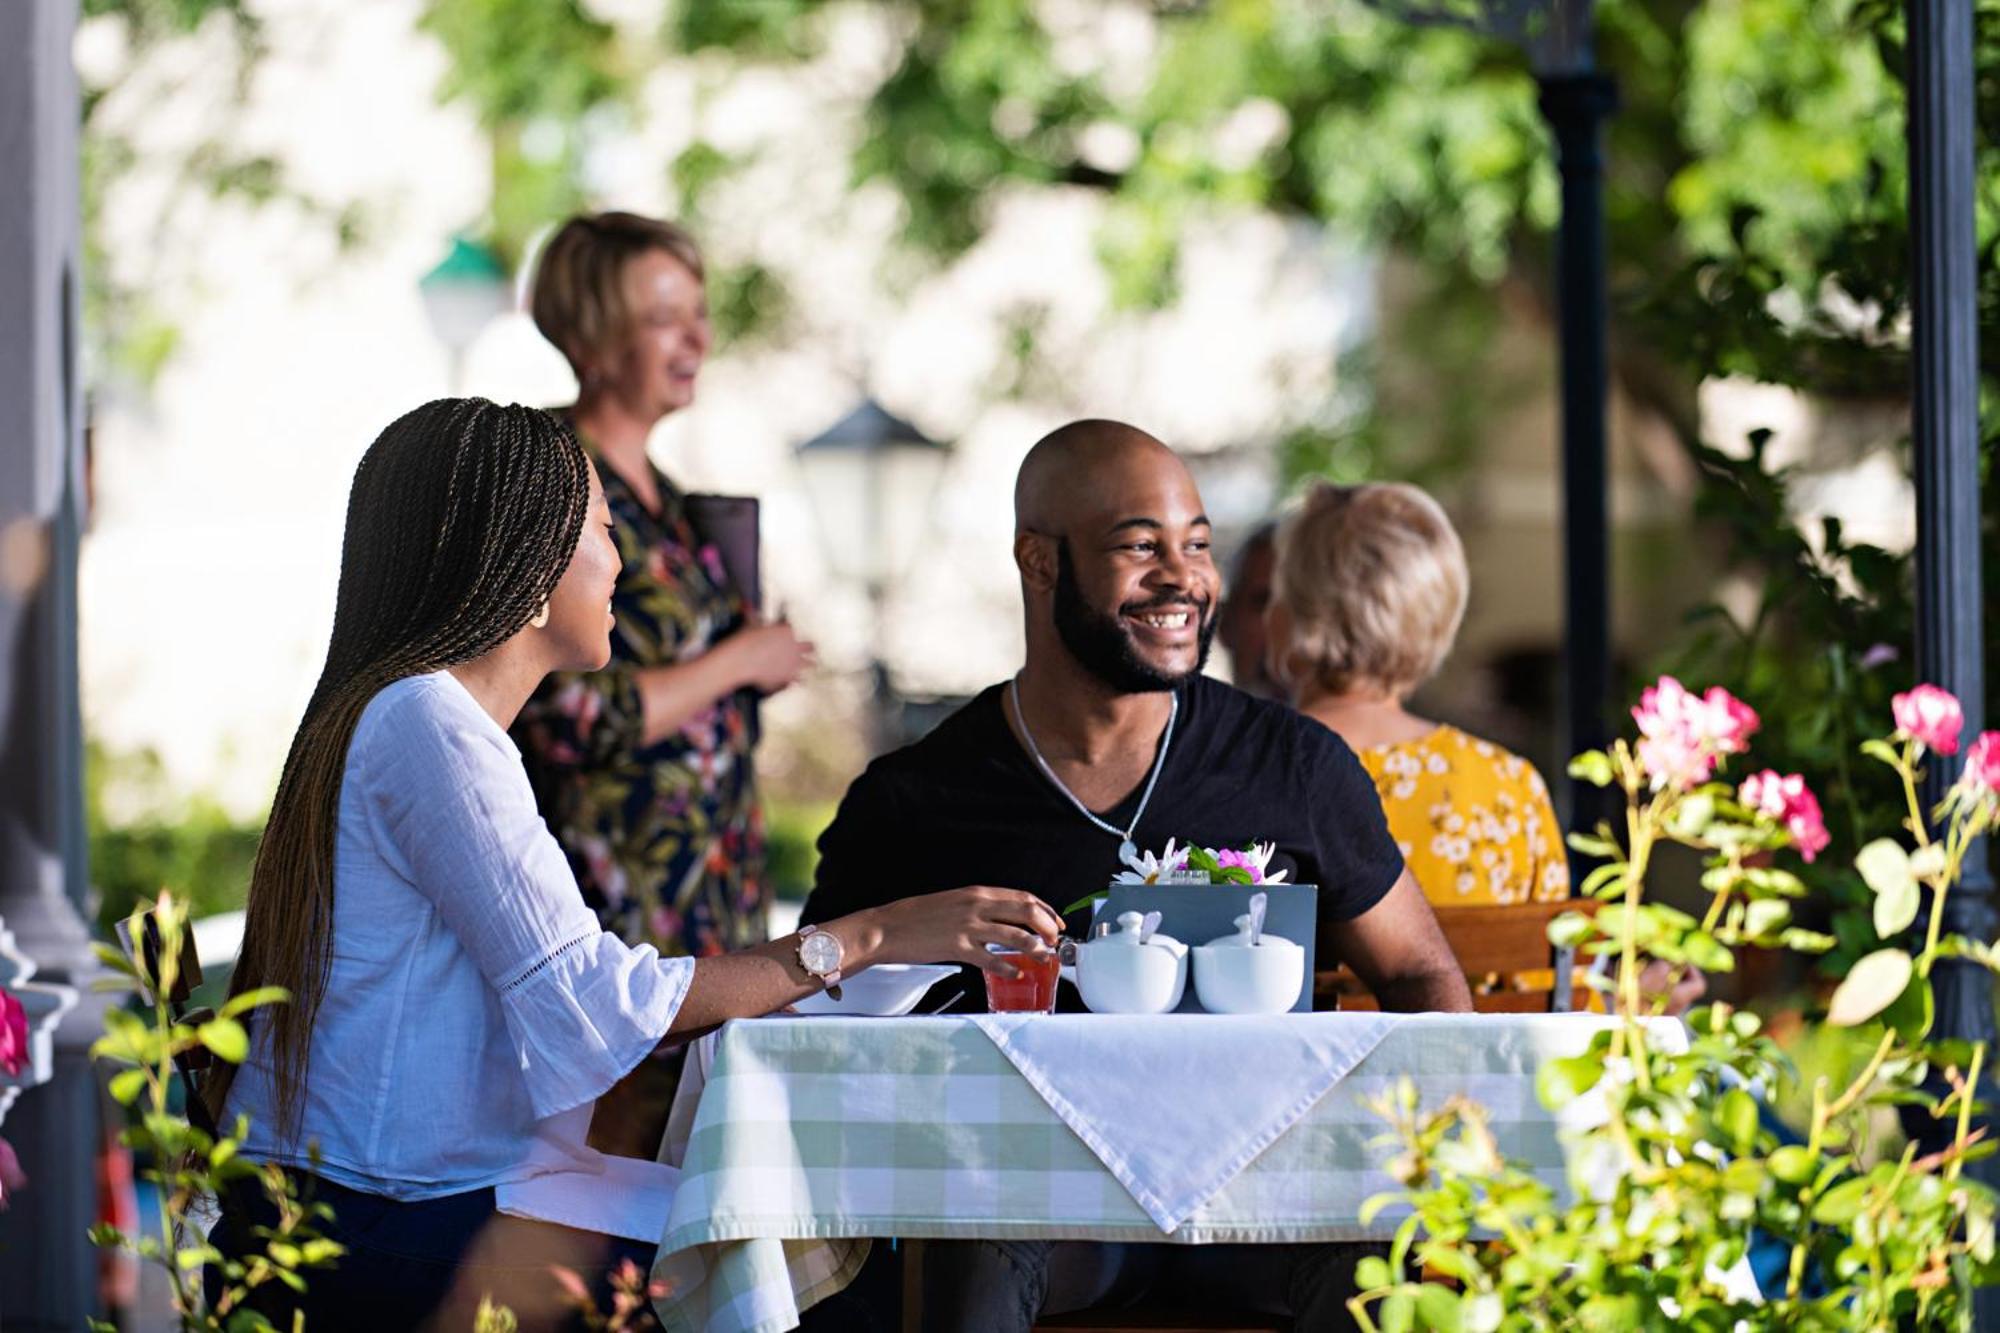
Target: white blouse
474, 1007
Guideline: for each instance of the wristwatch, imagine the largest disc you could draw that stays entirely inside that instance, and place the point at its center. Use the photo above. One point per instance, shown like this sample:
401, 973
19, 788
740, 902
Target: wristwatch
820, 955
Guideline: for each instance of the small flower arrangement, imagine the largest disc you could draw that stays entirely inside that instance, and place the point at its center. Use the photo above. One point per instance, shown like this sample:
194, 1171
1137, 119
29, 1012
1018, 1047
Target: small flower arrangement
1190, 864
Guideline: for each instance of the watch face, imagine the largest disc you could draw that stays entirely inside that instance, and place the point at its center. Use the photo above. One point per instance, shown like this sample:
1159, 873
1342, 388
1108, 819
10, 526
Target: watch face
820, 952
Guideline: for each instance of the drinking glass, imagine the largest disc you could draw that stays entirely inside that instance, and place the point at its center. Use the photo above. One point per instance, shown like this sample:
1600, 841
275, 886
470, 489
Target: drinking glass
1031, 992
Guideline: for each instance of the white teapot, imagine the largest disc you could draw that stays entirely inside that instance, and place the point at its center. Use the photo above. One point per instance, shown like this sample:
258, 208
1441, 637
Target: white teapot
1129, 971
1249, 972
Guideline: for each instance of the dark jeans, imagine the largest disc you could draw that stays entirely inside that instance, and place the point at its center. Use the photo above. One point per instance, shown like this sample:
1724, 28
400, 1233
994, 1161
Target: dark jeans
424, 1265
1002, 1286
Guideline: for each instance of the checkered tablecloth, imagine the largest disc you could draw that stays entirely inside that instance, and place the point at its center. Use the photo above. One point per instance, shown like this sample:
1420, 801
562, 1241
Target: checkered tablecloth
799, 1138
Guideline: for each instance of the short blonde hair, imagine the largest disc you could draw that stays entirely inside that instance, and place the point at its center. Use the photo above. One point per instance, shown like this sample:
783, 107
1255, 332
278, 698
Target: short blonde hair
578, 297
1374, 579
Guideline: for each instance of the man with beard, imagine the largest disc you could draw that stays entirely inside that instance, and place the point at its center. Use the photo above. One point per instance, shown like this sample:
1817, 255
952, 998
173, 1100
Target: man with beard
1110, 735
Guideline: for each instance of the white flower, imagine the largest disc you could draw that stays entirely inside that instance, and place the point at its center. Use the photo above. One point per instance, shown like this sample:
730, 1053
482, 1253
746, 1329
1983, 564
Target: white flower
1150, 869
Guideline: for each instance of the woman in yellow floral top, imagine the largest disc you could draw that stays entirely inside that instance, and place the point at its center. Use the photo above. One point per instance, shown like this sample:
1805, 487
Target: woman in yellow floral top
1369, 591
643, 770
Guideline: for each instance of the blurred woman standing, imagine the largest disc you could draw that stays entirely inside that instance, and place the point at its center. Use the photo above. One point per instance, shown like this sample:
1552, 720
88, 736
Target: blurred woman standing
644, 770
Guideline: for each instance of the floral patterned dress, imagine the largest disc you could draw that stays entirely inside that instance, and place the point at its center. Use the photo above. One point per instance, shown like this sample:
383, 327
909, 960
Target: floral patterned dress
667, 840
1472, 820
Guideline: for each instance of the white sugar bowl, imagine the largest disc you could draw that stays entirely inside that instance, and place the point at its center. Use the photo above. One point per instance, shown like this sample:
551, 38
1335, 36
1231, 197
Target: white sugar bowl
1127, 972
1234, 976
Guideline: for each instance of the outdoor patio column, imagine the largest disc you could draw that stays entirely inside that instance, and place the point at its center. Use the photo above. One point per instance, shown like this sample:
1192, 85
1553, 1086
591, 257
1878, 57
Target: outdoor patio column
48, 1269
1576, 103
1945, 429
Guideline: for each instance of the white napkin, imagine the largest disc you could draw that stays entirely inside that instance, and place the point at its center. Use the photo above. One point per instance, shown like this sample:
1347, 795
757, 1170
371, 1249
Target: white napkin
574, 1185
1175, 1105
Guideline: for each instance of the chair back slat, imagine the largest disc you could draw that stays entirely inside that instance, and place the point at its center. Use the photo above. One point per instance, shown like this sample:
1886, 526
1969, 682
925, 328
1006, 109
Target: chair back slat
1505, 952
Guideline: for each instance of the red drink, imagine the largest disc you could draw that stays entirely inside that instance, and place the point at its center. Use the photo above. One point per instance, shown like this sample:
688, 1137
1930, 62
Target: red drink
1032, 992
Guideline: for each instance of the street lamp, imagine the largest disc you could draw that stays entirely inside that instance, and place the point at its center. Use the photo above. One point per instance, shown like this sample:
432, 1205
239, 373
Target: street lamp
466, 291
872, 478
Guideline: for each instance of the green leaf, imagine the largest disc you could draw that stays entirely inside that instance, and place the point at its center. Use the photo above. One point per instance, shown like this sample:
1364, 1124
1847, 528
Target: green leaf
1372, 1273
262, 995
126, 1086
1438, 1308
1086, 901
1794, 1164
1560, 1082
1592, 766
1399, 1311
1571, 929
1736, 1117
1884, 865
1592, 845
1606, 1313
1843, 1203
1708, 953
1881, 749
225, 1037
1895, 908
1761, 916
1870, 987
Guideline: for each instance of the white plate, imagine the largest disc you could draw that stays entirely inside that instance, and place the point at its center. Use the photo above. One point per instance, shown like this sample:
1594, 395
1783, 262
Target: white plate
886, 990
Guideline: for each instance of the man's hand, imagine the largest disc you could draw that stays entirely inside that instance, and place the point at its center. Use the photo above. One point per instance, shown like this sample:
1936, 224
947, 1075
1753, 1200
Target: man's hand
1398, 950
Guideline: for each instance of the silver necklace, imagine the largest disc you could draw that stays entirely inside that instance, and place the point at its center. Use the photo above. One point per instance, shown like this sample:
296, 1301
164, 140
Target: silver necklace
1126, 848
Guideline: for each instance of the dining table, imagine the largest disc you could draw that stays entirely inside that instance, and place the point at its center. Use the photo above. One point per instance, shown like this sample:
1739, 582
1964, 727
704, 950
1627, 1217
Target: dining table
801, 1141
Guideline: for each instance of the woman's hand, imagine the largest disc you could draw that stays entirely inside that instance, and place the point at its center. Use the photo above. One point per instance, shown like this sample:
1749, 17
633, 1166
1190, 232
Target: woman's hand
770, 656
956, 926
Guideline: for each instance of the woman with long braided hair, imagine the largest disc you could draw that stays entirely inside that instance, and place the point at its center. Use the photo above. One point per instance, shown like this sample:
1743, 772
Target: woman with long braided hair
456, 1008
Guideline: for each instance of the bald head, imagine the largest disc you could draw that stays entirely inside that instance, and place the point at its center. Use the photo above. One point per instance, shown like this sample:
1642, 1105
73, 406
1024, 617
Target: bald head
1076, 468
1113, 549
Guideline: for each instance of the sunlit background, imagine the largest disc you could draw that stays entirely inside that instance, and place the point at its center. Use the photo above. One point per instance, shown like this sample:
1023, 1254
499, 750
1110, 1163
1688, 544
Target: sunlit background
1293, 239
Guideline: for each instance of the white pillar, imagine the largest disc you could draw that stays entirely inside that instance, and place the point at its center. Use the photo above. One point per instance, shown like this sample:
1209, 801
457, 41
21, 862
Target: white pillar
47, 1266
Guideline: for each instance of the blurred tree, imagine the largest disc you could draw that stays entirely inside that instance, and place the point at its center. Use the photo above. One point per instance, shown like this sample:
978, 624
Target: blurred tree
127, 292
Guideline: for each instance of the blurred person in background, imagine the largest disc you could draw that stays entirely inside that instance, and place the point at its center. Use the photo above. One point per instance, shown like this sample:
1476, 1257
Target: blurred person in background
1240, 623
1368, 592
644, 770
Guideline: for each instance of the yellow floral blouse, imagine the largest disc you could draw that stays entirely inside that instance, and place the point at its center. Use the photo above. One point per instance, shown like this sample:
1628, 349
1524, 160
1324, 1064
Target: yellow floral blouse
1472, 820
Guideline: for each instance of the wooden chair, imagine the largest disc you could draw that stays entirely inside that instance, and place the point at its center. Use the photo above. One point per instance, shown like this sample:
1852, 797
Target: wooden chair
144, 954
1505, 951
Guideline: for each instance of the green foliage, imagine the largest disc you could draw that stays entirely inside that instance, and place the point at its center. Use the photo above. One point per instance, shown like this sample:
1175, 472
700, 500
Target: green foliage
791, 845
127, 320
1680, 1172
535, 72
188, 843
190, 1163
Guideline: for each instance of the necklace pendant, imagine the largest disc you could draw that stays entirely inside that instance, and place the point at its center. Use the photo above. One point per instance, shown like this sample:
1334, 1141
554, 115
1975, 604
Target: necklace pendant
1126, 851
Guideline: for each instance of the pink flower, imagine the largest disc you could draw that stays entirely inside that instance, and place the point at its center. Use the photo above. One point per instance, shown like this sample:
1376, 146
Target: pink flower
1929, 716
13, 1035
1982, 766
1791, 803
12, 1177
1682, 734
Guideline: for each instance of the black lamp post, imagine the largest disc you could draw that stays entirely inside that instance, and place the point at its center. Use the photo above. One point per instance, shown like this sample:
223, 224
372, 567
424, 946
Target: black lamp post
872, 478
1944, 345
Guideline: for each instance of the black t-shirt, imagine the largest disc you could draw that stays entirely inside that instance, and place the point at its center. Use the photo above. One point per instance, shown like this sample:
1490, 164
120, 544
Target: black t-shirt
966, 805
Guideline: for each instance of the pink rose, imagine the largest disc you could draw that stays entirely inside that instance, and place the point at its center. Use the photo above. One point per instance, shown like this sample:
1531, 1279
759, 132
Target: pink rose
1683, 734
1228, 857
13, 1035
1929, 716
1787, 800
1982, 766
